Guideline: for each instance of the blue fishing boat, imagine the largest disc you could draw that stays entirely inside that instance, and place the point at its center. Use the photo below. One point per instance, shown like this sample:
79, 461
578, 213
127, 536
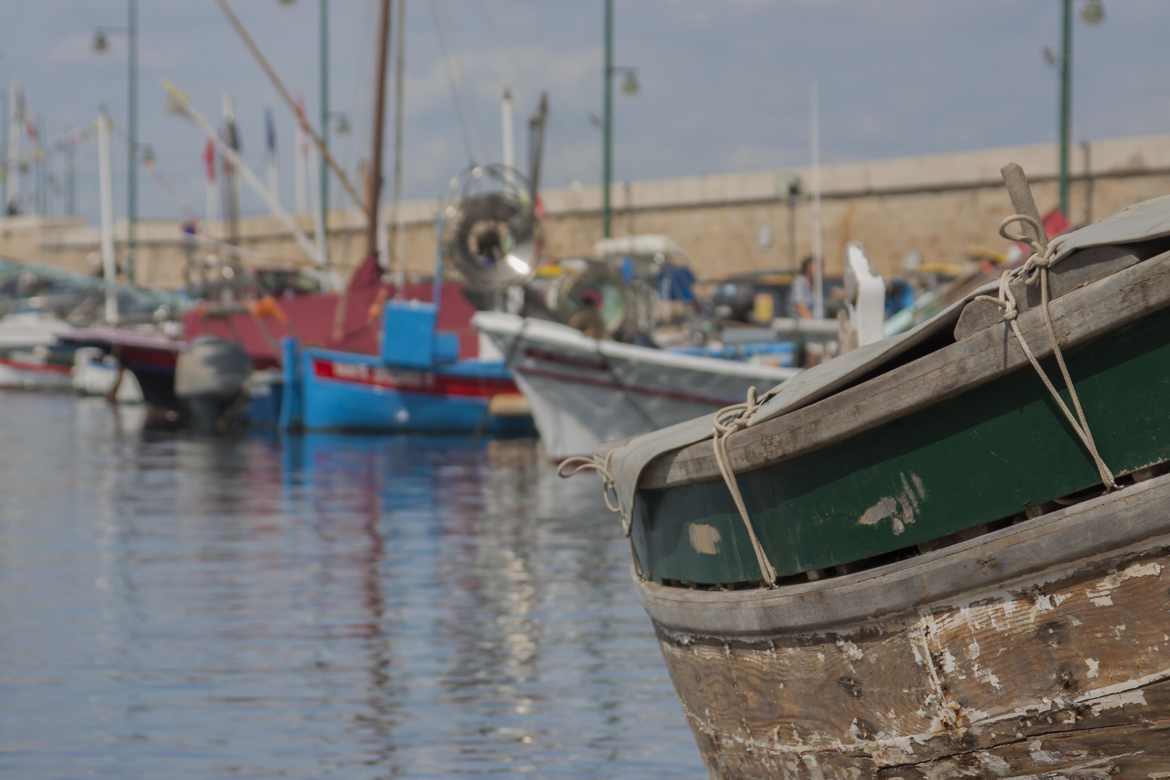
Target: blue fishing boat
416, 383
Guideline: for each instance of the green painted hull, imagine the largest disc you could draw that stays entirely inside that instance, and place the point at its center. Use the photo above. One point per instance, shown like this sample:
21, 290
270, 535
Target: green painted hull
977, 458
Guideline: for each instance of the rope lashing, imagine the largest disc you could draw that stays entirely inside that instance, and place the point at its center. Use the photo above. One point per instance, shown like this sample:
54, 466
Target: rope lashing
575, 465
728, 420
1042, 258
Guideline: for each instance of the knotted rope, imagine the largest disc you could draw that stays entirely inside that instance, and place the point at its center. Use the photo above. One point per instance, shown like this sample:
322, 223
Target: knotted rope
728, 420
1042, 258
575, 465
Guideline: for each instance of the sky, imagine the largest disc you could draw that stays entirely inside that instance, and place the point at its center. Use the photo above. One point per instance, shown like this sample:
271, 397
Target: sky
724, 86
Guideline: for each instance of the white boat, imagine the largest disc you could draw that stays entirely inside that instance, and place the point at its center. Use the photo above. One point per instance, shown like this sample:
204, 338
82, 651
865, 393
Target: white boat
27, 359
95, 372
584, 391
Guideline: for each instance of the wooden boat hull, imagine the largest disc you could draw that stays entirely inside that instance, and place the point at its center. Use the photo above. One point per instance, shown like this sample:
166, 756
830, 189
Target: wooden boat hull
337, 391
1042, 649
20, 373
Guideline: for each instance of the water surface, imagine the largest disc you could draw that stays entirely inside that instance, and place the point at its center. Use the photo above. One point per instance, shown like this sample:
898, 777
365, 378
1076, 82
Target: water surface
173, 606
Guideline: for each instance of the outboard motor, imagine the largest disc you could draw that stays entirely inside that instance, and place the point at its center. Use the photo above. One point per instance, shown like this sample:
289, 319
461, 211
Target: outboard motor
210, 376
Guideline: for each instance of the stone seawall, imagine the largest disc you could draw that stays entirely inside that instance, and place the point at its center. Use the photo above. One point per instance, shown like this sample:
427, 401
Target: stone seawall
939, 205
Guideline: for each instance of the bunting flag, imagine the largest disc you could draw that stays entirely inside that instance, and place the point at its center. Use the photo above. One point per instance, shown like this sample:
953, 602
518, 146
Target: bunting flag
231, 137
270, 132
209, 159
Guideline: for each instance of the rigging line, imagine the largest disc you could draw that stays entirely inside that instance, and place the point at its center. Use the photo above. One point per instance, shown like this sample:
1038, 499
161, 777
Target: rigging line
156, 173
451, 82
361, 99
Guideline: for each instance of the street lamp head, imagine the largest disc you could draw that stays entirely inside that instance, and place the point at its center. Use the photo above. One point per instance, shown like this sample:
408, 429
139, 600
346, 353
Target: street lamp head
1093, 12
343, 126
101, 43
630, 82
148, 156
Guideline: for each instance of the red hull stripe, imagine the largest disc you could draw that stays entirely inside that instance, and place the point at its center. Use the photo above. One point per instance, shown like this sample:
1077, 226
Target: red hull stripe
39, 368
417, 382
655, 392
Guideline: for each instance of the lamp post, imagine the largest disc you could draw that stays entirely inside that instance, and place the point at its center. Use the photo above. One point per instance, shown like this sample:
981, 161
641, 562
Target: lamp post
1092, 13
101, 45
794, 193
629, 87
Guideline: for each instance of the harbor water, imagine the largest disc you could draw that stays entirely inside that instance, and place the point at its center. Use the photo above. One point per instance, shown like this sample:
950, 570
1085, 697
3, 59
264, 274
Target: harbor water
358, 607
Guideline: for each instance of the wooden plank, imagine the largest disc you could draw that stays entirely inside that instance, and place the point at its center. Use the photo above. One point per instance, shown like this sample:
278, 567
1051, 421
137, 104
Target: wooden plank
1079, 316
1077, 270
1099, 753
1020, 193
763, 694
1051, 674
1115, 525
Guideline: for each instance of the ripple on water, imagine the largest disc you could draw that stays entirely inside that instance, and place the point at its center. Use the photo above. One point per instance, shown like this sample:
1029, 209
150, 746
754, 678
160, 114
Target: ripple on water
351, 606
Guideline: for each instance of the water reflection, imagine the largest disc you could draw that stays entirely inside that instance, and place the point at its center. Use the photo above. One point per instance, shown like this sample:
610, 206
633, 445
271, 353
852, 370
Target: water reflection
371, 607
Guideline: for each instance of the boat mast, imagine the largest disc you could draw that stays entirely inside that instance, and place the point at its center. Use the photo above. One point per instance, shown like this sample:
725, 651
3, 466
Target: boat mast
394, 255
374, 184
374, 180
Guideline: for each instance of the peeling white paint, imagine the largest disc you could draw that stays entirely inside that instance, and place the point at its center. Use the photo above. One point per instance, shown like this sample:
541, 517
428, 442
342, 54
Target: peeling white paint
1127, 685
918, 659
1094, 667
1043, 604
883, 509
1151, 569
948, 662
704, 538
1118, 700
1041, 756
989, 677
994, 764
900, 509
1100, 594
851, 651
973, 650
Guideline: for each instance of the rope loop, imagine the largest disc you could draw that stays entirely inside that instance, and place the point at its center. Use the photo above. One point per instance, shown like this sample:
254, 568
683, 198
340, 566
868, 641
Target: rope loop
570, 467
1044, 256
1038, 247
729, 420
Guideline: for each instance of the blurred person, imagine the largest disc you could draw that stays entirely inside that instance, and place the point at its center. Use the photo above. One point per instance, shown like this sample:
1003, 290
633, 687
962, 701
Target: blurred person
587, 319
800, 296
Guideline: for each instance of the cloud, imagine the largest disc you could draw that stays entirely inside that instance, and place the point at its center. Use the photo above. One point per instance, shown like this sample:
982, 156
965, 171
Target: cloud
483, 75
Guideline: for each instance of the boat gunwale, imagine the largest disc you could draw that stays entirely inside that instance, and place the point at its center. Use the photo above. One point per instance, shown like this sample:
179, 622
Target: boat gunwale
1122, 524
1080, 316
537, 333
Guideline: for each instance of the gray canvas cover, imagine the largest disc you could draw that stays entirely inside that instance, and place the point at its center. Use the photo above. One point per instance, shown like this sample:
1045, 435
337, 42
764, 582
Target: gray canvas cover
1140, 222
